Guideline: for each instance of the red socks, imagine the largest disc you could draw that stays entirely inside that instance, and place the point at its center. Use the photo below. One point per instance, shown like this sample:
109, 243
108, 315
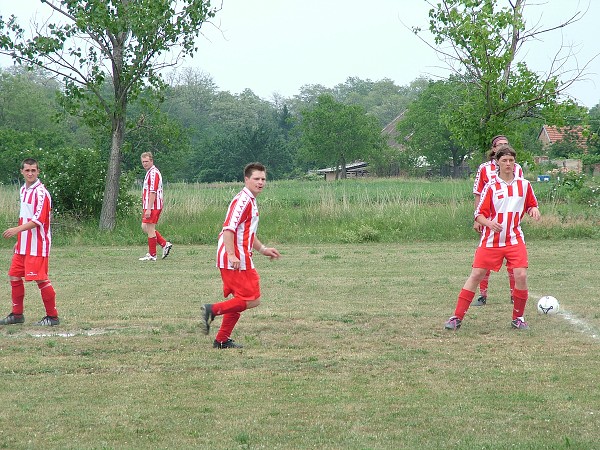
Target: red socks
230, 310
227, 324
49, 298
483, 284
152, 246
520, 300
511, 281
18, 295
161, 240
464, 301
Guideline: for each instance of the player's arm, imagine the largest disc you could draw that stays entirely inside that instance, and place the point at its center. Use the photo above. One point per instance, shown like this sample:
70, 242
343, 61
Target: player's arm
476, 225
228, 240
485, 209
16, 230
150, 204
264, 250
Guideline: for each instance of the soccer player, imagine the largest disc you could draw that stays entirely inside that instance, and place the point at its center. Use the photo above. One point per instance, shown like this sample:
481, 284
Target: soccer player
152, 204
485, 173
32, 250
236, 246
503, 204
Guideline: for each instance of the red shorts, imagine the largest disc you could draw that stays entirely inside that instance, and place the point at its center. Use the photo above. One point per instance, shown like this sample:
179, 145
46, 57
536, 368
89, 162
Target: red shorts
32, 268
491, 258
154, 216
243, 284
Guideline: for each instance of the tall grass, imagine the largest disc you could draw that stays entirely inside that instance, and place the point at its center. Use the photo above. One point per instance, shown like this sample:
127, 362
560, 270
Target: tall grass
349, 211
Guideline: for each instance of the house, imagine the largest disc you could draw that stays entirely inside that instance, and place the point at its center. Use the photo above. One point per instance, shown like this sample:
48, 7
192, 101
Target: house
353, 170
391, 133
549, 135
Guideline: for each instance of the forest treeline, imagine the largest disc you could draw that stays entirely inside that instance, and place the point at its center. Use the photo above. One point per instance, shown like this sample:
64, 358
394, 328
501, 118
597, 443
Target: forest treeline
200, 133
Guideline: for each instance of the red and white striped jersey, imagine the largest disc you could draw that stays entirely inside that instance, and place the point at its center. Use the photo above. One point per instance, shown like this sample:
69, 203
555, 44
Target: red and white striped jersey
242, 219
152, 183
506, 203
487, 172
36, 206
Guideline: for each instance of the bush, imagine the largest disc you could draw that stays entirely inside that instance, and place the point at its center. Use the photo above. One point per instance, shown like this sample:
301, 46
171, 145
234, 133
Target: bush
75, 179
576, 188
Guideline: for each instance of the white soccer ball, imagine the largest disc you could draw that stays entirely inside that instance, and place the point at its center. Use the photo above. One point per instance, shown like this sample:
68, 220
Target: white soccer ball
548, 305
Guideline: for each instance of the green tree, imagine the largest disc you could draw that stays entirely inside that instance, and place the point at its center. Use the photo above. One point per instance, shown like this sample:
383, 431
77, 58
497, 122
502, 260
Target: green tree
424, 130
480, 42
123, 41
334, 134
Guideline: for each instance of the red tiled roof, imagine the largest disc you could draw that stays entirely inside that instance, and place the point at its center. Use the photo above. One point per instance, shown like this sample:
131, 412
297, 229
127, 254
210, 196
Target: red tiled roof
556, 134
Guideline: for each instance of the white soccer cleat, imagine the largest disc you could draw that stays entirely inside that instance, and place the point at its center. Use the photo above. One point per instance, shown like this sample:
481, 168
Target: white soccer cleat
148, 257
166, 249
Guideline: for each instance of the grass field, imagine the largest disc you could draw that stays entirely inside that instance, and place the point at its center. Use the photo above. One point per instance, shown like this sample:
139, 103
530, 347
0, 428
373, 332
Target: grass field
347, 351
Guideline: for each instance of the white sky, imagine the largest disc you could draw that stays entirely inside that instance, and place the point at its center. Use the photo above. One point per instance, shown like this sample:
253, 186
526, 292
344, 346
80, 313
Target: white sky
276, 46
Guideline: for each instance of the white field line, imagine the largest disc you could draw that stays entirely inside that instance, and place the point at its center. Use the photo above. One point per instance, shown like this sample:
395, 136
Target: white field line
580, 324
95, 332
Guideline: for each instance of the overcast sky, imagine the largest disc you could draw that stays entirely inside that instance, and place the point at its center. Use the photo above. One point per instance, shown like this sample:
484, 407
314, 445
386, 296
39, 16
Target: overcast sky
277, 46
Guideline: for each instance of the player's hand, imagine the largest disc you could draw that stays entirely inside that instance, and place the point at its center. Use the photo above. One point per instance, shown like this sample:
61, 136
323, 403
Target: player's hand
495, 226
477, 227
534, 213
271, 253
234, 261
10, 233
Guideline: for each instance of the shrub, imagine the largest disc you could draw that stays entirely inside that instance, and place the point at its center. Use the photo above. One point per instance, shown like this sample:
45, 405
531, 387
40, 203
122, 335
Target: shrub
75, 178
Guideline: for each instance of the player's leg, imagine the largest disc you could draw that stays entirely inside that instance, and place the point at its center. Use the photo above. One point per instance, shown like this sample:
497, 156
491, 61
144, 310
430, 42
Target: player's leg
483, 288
511, 282
150, 230
485, 259
17, 287
166, 245
49, 299
244, 284
517, 262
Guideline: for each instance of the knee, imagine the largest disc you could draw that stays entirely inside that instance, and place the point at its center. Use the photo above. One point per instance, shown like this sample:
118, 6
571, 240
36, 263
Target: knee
253, 303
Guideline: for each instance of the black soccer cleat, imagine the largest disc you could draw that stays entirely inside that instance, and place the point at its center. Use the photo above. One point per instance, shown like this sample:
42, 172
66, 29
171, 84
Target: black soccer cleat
229, 343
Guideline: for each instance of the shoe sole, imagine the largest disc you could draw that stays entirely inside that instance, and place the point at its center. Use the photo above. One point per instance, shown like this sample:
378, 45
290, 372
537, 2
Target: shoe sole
166, 251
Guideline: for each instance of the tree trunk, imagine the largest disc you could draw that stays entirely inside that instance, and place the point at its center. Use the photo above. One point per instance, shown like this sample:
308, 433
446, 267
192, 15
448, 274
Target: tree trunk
108, 215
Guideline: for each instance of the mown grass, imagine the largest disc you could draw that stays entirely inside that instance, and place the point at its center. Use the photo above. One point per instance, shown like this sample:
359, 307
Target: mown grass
346, 351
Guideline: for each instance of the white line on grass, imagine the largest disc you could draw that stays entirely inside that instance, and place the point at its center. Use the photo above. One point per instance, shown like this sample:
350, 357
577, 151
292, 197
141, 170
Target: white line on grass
581, 324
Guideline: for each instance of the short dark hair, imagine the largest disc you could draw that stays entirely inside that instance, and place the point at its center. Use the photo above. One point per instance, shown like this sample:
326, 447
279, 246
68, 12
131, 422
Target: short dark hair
253, 167
504, 150
29, 162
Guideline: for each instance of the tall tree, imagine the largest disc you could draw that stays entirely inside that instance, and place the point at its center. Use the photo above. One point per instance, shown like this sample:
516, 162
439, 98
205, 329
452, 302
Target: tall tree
335, 134
423, 129
122, 40
480, 41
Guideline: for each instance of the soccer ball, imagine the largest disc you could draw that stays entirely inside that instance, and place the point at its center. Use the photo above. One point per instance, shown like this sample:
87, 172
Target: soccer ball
547, 305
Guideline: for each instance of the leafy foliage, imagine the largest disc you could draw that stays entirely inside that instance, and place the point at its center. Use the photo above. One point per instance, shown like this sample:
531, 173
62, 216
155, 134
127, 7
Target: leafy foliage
480, 43
334, 133
102, 40
75, 178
